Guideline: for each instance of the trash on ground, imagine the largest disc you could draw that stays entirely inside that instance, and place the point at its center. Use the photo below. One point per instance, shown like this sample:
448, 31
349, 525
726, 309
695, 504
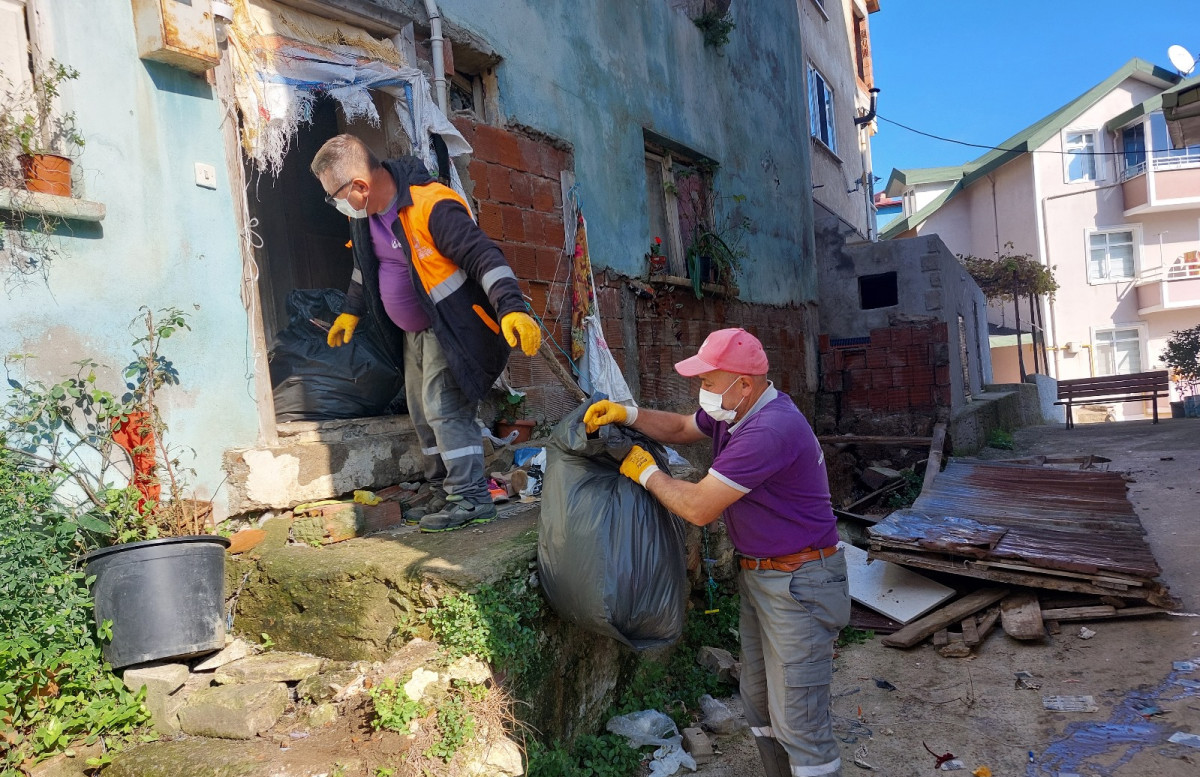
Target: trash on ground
884, 684
982, 771
1183, 666
651, 727
941, 759
1182, 738
953, 765
1086, 633
1149, 710
1025, 682
890, 589
860, 759
1069, 703
718, 718
366, 498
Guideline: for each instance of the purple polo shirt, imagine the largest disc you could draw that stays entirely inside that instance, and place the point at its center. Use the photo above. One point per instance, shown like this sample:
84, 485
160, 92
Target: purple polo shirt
772, 456
396, 290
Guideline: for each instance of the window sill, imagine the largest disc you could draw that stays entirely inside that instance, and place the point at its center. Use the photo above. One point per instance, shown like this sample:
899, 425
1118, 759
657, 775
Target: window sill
719, 289
818, 143
1110, 281
38, 204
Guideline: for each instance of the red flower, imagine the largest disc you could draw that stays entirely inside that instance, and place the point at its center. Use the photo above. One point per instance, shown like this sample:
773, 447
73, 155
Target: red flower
658, 240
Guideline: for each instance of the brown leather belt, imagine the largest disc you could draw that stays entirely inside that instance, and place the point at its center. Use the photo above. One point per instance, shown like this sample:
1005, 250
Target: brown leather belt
789, 563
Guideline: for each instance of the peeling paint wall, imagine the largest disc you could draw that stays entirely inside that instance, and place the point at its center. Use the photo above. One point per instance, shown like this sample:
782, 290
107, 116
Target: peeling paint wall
597, 73
164, 241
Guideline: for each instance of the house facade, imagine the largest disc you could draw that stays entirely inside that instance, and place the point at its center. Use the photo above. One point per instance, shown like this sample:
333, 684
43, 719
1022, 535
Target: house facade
192, 192
1096, 192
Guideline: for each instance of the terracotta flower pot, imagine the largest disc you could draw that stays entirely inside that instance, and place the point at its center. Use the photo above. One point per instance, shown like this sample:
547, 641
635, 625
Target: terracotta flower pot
524, 429
47, 173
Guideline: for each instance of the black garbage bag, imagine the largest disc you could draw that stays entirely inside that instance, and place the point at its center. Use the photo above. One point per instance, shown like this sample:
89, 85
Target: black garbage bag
313, 382
611, 558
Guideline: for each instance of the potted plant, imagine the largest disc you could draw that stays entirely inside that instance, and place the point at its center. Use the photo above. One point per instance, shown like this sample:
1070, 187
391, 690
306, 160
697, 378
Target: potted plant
157, 577
511, 417
655, 258
1183, 358
39, 137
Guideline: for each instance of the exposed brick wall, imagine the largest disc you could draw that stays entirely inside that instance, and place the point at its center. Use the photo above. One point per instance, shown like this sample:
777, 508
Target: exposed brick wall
514, 182
903, 369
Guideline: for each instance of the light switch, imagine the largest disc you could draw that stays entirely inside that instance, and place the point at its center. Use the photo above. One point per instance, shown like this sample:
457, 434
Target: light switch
206, 176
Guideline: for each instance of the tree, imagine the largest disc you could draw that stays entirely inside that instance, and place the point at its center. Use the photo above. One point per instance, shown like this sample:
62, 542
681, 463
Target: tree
1183, 356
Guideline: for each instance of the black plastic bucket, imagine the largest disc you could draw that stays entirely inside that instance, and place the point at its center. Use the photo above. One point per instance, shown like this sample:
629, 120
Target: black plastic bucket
165, 598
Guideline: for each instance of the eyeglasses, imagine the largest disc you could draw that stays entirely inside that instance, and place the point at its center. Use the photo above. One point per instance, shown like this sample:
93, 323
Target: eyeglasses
331, 198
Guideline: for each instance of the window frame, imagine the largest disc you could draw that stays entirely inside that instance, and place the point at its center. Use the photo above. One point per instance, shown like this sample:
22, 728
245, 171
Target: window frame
1142, 339
829, 106
863, 70
1097, 159
668, 159
1135, 231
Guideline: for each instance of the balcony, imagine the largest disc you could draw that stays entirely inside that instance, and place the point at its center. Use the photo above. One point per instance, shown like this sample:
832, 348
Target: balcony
1166, 181
1175, 287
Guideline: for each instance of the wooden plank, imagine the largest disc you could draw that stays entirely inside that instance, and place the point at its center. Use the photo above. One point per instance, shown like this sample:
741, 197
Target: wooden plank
970, 630
934, 463
941, 638
940, 619
1021, 616
922, 561
874, 495
988, 621
867, 439
1112, 581
847, 515
1094, 613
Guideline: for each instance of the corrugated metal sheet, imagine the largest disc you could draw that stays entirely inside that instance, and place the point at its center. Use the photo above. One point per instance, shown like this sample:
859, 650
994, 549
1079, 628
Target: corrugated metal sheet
1075, 521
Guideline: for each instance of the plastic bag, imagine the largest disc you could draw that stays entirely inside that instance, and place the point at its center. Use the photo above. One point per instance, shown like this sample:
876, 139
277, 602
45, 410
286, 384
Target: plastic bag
610, 556
651, 727
535, 468
718, 718
313, 382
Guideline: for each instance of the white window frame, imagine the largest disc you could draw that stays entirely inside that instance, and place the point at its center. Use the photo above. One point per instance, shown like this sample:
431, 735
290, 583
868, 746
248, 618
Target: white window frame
830, 105
16, 45
1143, 344
1097, 159
1135, 231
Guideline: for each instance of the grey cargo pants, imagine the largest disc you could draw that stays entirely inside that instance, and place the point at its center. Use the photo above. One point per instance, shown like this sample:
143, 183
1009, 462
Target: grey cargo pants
451, 441
789, 623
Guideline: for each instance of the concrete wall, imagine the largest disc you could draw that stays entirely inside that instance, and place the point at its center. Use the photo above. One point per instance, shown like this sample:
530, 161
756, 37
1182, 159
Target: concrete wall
164, 242
827, 37
596, 74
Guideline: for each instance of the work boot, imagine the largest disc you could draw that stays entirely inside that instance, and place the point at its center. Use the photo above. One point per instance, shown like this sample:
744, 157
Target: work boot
457, 514
429, 499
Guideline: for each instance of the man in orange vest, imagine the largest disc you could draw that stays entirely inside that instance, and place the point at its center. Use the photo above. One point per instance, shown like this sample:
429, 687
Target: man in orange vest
442, 292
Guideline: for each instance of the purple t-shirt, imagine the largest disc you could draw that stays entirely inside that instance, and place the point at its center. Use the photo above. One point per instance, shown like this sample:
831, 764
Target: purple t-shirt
773, 457
400, 299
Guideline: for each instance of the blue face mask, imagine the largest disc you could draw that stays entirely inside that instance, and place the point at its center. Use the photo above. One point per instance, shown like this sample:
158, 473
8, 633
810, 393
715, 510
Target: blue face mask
710, 402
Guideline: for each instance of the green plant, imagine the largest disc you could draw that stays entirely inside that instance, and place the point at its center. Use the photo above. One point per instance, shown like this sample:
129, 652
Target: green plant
383, 771
719, 247
394, 710
908, 492
495, 623
29, 123
512, 408
54, 684
716, 26
456, 727
1000, 438
606, 755
1183, 356
853, 636
267, 642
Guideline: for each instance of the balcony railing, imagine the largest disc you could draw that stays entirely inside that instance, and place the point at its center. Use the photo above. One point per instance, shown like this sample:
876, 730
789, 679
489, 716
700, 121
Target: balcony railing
1186, 266
1163, 162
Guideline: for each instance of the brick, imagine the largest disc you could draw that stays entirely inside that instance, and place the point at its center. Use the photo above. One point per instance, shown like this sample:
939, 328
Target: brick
877, 400
478, 171
922, 377
897, 399
941, 333
942, 395
522, 188
384, 515
545, 193
532, 158
902, 335
856, 360
832, 382
523, 259
551, 264
897, 357
942, 375
491, 221
486, 142
916, 354
877, 357
920, 396
552, 228
554, 160
881, 337
499, 185
514, 225
465, 127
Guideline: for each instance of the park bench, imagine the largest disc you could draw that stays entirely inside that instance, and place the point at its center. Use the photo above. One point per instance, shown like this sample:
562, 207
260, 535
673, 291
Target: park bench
1139, 386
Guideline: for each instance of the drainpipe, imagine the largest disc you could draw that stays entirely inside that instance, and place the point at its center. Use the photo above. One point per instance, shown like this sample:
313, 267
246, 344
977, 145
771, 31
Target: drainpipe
439, 62
861, 122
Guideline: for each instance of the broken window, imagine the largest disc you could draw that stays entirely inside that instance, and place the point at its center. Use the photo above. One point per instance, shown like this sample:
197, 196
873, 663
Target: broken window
820, 109
678, 203
878, 291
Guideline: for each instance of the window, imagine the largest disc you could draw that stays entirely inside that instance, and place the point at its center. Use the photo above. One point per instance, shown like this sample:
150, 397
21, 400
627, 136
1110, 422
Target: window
1133, 146
679, 202
862, 50
1080, 148
1164, 155
820, 109
14, 45
878, 291
1111, 256
1118, 351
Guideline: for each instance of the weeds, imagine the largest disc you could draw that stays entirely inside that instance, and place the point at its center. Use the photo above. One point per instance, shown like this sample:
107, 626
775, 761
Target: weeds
1000, 438
907, 493
394, 710
495, 623
853, 636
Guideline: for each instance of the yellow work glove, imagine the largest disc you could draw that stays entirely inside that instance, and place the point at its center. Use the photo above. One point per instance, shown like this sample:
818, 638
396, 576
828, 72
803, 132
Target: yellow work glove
638, 465
520, 327
605, 412
342, 330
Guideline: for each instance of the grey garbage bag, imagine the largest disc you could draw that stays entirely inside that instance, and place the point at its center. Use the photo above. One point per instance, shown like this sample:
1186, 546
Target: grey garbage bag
610, 557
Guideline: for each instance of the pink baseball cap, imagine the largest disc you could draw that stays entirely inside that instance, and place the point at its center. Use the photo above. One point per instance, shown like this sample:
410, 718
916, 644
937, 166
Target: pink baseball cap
730, 350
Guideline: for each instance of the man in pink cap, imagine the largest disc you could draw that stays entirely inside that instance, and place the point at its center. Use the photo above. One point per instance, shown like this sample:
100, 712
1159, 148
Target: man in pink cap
768, 478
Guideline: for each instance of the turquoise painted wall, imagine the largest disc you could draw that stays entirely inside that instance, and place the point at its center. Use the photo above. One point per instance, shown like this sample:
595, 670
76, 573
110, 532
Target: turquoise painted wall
164, 242
595, 72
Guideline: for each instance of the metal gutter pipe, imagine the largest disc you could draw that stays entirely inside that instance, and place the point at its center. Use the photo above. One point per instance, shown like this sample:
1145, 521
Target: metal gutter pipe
439, 62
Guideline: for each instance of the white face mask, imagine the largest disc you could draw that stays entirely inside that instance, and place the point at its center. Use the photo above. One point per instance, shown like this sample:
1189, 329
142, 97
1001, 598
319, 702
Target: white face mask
710, 402
345, 209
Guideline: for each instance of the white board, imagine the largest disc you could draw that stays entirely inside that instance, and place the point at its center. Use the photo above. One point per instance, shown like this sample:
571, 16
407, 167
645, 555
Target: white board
890, 589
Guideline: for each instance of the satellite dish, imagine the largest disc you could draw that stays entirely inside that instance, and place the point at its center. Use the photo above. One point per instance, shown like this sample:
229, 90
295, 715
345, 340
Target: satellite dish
1183, 61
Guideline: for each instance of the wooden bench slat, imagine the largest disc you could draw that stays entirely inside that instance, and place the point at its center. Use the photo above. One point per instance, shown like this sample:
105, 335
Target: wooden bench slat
1139, 386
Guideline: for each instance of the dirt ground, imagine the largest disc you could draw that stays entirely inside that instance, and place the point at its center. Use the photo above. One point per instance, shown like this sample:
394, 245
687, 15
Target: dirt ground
971, 707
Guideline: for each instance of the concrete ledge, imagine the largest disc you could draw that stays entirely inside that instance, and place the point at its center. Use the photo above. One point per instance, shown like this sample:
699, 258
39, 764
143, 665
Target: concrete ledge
970, 426
321, 461
39, 204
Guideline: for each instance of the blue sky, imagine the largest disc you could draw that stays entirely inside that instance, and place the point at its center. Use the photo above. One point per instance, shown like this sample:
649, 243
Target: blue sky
979, 70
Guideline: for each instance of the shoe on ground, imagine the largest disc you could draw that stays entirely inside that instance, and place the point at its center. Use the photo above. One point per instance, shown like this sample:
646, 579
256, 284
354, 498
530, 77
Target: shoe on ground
457, 515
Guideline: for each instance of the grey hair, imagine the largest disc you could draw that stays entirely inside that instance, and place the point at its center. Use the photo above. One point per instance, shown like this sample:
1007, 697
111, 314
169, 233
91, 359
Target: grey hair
346, 157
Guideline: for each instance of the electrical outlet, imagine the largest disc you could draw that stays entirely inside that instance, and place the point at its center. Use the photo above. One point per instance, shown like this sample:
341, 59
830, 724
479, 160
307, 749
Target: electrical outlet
206, 175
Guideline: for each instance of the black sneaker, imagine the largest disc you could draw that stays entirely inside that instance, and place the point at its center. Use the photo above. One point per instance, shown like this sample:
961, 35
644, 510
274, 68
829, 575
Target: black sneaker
457, 515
